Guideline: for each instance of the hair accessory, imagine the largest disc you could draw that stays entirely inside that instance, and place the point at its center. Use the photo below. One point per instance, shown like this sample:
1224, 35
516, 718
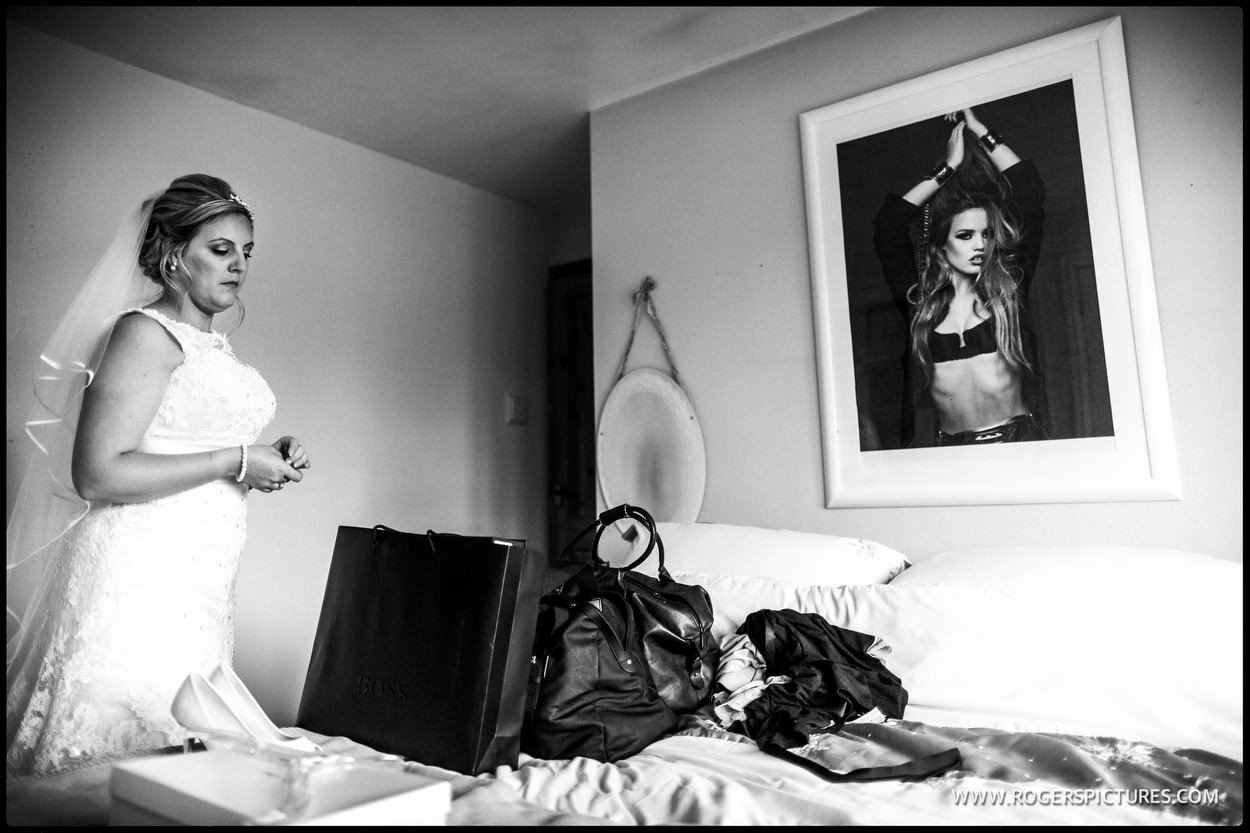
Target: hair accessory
242, 465
941, 173
990, 140
235, 198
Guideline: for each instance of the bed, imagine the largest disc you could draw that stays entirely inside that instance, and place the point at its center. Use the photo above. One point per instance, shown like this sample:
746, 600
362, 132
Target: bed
1090, 684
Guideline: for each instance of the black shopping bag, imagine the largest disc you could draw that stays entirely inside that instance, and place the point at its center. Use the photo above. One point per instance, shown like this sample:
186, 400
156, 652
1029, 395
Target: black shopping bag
423, 646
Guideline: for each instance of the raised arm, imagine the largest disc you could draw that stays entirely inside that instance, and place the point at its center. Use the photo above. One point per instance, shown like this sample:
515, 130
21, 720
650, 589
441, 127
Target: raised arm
1027, 195
890, 236
999, 153
1002, 156
924, 190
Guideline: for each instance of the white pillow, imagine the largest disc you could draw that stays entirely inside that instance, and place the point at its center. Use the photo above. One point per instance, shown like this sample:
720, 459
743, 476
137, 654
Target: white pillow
1161, 663
795, 557
1102, 565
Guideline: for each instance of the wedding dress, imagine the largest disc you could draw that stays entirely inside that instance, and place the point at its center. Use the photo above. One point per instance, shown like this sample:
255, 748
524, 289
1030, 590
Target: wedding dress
145, 593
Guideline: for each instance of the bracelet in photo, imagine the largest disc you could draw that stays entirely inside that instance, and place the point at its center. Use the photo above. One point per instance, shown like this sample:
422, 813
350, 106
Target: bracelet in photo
941, 173
990, 140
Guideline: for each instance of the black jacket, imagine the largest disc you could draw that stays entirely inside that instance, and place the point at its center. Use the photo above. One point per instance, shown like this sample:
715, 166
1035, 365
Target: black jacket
833, 678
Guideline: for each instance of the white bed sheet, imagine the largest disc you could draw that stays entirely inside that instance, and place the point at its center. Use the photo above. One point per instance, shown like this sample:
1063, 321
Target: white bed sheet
704, 776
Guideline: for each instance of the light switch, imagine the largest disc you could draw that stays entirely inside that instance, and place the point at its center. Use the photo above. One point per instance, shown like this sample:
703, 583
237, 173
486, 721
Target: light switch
516, 410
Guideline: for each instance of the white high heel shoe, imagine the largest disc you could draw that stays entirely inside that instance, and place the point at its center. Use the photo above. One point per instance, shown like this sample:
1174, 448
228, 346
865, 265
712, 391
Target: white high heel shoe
249, 712
200, 708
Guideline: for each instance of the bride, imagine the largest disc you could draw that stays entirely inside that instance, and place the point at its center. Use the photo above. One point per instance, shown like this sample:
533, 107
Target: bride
130, 521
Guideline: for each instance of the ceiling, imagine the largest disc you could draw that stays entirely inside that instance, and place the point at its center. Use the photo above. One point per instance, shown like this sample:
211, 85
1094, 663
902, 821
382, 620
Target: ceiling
493, 96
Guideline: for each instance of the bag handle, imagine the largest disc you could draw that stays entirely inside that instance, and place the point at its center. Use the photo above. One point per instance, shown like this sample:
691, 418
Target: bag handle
611, 516
634, 513
382, 529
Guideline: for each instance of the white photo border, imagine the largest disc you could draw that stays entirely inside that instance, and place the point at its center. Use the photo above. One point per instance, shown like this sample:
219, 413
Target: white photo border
1139, 462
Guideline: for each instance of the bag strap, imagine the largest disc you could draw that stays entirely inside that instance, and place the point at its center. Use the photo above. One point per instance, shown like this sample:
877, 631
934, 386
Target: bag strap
914, 770
538, 670
776, 726
565, 554
582, 575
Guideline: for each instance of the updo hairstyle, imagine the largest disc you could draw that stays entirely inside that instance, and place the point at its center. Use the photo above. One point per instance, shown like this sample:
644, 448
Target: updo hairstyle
188, 203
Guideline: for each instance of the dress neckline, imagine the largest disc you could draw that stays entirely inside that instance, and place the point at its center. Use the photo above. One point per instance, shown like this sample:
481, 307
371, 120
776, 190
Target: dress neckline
210, 334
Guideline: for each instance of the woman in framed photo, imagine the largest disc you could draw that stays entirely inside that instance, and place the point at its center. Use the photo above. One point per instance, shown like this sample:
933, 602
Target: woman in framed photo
972, 355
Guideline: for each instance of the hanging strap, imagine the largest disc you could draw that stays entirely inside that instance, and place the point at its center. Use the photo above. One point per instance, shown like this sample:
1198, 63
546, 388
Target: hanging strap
643, 302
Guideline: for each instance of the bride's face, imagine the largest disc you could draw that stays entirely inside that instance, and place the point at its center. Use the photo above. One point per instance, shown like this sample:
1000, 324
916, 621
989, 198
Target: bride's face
217, 259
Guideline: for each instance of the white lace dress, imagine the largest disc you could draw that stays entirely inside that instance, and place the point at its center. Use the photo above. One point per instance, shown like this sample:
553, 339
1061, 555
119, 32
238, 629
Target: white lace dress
145, 592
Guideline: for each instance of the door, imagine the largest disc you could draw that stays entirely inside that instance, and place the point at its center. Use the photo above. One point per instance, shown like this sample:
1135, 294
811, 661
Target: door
571, 481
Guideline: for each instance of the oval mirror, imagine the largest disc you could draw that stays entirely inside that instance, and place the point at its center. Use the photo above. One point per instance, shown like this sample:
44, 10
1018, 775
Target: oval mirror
650, 448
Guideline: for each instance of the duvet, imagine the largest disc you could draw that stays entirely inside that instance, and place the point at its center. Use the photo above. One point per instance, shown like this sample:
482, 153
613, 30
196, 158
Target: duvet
702, 775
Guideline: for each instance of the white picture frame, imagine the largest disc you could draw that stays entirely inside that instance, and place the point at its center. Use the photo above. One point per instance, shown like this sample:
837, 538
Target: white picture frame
1135, 458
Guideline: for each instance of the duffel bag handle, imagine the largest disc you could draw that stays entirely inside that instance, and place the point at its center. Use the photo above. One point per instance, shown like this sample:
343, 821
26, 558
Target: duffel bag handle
606, 519
633, 513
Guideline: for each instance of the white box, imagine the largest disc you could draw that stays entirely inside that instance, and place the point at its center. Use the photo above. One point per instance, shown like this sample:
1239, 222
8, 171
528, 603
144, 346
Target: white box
221, 787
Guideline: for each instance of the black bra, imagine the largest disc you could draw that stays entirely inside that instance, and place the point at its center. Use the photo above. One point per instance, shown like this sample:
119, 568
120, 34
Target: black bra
944, 347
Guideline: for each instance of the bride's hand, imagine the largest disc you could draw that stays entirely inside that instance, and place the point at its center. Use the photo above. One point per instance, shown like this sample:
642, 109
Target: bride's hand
293, 452
268, 470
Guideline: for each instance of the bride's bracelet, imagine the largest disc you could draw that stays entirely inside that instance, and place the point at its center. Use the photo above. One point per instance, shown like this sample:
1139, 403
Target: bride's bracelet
243, 464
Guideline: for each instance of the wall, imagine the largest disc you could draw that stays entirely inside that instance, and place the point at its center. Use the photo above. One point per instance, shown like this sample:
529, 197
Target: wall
391, 309
699, 184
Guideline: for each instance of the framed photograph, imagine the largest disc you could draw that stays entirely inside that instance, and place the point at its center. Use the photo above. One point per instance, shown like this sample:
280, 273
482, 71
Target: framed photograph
903, 376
